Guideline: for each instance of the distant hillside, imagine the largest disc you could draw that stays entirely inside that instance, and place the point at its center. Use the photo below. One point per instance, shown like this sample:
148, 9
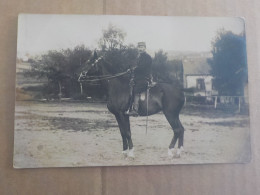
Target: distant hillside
193, 62
22, 80
22, 66
180, 55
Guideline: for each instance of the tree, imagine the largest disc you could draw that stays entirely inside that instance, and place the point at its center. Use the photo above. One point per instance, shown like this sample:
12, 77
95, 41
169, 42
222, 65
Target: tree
76, 59
115, 51
122, 59
174, 71
50, 66
159, 65
112, 38
59, 68
165, 70
229, 63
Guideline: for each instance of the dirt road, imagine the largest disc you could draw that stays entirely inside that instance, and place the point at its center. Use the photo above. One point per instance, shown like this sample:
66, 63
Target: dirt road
85, 134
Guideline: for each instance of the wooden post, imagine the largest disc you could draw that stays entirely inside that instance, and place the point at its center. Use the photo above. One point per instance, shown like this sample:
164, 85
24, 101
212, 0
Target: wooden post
81, 89
60, 94
216, 101
239, 102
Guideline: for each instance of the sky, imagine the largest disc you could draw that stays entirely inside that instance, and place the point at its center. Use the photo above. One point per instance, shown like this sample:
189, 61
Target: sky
39, 33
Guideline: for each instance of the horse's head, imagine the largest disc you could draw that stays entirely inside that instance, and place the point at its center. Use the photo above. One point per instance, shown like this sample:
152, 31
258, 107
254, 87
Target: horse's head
91, 67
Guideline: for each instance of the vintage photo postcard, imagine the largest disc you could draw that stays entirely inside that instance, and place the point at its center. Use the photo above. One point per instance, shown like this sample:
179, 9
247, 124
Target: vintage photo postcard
96, 90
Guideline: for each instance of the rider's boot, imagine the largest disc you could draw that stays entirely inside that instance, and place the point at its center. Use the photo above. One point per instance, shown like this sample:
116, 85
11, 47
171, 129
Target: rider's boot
134, 111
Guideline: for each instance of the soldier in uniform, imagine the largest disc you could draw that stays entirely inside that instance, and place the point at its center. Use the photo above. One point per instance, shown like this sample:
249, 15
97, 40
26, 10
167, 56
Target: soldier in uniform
141, 78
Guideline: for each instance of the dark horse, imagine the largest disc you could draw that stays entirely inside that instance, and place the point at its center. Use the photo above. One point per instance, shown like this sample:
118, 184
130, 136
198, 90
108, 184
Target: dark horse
165, 97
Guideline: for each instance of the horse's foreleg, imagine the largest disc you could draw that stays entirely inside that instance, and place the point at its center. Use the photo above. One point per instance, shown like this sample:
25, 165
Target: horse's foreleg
124, 126
123, 134
128, 136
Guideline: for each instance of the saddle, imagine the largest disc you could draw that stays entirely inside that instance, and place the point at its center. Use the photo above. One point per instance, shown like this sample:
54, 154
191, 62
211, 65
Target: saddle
135, 98
142, 94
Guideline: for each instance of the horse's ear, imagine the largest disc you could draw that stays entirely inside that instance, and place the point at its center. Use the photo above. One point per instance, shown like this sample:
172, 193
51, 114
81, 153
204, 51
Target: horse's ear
95, 54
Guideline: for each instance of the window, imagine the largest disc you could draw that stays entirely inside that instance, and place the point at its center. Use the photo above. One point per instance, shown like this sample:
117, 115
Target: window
200, 84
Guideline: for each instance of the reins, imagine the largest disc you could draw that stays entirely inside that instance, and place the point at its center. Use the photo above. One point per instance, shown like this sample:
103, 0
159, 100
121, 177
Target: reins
101, 78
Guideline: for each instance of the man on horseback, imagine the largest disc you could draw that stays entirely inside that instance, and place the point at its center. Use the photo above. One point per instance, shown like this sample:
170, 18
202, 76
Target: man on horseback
140, 79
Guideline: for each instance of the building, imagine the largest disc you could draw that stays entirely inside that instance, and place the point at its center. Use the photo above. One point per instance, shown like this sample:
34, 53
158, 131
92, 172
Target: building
22, 66
196, 74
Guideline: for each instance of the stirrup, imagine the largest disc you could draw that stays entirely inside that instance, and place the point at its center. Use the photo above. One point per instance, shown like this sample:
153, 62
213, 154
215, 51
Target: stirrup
132, 113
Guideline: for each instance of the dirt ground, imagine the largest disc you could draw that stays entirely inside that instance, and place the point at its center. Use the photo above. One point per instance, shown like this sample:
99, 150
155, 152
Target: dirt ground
69, 134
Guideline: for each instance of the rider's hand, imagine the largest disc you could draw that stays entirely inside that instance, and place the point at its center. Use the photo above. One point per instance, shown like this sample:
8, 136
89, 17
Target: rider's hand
132, 82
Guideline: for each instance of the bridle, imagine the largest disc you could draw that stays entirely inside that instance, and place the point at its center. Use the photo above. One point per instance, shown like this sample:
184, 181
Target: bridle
84, 78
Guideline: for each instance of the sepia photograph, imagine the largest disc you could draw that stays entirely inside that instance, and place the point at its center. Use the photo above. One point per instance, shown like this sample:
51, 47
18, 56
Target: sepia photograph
116, 90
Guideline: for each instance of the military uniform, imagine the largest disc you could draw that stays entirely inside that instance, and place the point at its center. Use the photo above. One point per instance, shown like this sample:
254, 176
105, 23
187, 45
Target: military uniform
141, 77
142, 73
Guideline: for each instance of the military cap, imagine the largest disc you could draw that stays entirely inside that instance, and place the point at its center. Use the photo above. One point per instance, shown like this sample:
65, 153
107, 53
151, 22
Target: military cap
141, 44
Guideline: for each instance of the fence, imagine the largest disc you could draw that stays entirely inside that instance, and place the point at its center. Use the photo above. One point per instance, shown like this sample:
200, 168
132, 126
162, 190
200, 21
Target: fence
216, 101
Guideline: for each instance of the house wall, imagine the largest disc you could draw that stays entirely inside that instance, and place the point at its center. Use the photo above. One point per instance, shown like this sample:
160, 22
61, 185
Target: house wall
22, 66
191, 81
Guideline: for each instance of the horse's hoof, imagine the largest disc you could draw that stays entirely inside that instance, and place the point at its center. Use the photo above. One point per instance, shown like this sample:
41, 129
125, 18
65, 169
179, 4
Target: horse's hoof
131, 158
178, 153
131, 154
125, 153
170, 152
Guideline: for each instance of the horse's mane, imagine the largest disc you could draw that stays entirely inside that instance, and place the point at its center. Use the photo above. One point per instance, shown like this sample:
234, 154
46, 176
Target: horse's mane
113, 70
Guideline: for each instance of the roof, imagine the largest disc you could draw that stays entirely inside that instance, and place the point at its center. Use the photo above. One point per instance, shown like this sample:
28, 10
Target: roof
196, 66
202, 74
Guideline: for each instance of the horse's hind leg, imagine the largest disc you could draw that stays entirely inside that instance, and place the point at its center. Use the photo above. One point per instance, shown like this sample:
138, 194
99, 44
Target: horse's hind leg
181, 136
178, 134
174, 140
180, 140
